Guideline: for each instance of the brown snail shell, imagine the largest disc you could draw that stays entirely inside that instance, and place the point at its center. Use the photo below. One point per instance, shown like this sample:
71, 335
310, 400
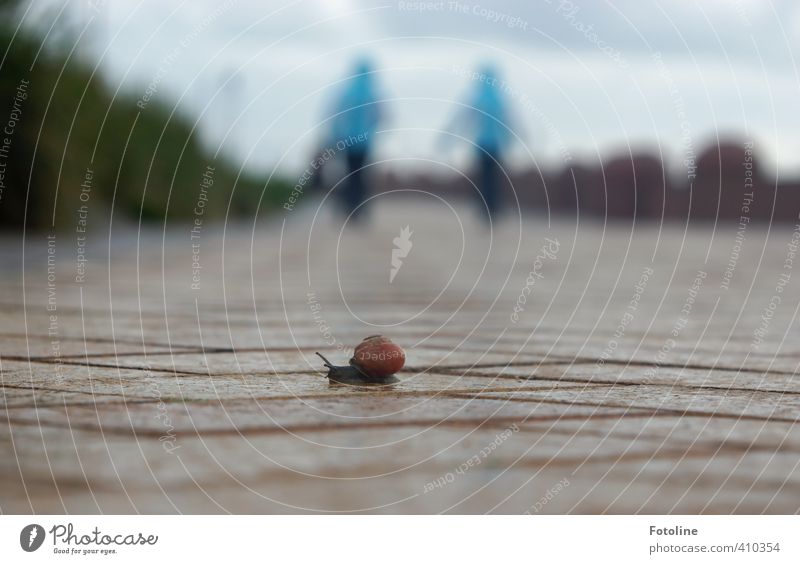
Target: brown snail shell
375, 361
378, 357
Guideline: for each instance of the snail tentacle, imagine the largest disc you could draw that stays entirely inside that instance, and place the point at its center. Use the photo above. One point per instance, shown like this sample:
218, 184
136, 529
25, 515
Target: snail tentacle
325, 361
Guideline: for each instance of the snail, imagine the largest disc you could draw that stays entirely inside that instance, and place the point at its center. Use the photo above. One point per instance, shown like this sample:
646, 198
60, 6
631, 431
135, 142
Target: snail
375, 361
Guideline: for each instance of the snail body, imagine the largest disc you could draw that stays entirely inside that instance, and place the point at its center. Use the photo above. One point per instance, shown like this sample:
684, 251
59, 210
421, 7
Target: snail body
375, 360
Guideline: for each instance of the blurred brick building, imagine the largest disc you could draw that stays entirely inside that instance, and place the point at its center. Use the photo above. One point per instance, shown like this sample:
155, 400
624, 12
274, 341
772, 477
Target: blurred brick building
726, 182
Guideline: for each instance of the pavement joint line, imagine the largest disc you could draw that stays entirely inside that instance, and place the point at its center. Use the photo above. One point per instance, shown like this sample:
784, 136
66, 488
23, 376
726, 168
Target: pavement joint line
671, 385
709, 443
676, 411
437, 369
356, 391
99, 340
478, 422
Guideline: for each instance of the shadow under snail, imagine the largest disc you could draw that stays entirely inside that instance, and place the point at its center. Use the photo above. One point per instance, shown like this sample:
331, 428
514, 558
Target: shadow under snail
375, 360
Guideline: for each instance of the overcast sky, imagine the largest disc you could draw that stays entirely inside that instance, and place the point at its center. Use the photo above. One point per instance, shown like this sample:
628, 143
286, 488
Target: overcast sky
585, 78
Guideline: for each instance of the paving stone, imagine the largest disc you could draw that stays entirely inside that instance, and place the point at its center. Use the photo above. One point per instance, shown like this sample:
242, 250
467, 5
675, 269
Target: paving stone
166, 398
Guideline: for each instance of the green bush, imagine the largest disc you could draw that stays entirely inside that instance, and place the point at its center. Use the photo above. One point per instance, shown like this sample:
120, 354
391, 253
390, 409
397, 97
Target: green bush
150, 166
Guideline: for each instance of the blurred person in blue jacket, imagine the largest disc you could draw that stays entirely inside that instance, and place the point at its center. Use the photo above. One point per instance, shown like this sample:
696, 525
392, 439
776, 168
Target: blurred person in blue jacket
356, 115
484, 119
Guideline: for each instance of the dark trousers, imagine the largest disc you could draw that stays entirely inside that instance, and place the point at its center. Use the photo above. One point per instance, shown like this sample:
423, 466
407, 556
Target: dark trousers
354, 191
489, 183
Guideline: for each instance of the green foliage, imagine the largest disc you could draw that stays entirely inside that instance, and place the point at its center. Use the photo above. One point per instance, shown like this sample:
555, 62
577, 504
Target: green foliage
145, 162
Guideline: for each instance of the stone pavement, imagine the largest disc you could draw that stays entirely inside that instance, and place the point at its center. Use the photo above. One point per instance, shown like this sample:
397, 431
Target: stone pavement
552, 367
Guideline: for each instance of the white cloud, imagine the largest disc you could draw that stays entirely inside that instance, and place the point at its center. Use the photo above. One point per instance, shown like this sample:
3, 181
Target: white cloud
728, 59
